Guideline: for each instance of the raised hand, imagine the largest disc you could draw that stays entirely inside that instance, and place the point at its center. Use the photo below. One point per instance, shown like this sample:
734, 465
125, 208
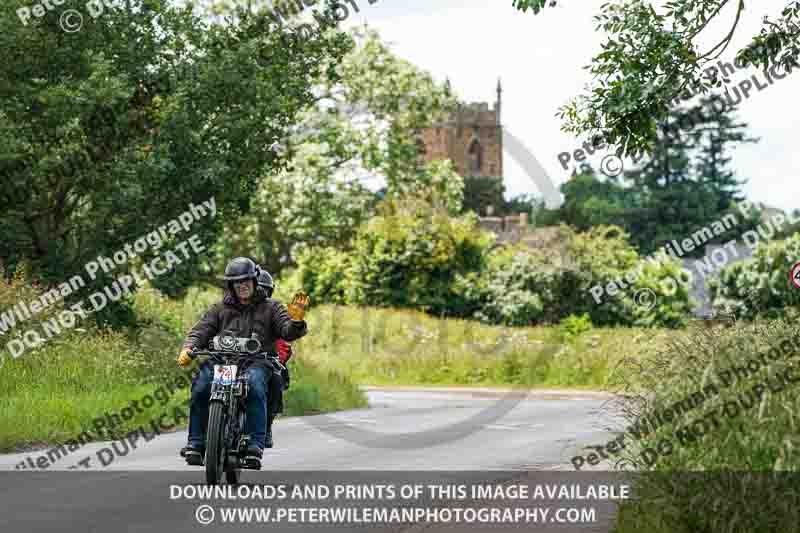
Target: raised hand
297, 309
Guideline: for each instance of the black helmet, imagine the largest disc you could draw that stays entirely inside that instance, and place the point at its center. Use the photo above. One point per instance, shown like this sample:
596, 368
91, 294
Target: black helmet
241, 268
266, 283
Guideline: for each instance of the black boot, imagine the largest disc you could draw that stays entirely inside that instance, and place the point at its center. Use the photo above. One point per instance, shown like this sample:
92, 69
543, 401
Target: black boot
252, 457
193, 454
268, 438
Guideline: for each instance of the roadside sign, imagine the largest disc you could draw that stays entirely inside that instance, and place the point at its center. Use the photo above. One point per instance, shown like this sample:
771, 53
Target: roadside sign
794, 275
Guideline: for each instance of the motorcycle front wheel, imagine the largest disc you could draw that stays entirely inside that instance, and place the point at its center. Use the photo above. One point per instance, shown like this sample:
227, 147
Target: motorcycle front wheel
233, 475
215, 447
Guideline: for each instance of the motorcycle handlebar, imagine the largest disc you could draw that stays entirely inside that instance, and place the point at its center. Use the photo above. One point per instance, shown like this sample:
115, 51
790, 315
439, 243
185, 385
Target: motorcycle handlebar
211, 354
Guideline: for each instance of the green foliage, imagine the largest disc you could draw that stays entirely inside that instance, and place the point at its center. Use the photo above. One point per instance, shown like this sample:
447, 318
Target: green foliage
363, 121
686, 185
534, 5
107, 133
574, 326
653, 54
759, 286
515, 288
790, 228
675, 193
718, 131
525, 203
323, 274
522, 286
381, 346
439, 185
590, 201
483, 191
415, 256
759, 439
410, 256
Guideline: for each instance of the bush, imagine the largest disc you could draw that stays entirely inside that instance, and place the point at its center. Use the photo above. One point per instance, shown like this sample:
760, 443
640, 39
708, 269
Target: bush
523, 286
14, 288
322, 274
759, 286
513, 291
574, 326
416, 256
409, 255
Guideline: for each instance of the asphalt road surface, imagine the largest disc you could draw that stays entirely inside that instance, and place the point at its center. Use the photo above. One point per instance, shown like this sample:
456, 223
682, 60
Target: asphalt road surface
541, 430
421, 430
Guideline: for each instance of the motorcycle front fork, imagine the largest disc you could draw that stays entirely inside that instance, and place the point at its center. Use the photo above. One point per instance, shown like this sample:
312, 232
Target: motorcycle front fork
238, 412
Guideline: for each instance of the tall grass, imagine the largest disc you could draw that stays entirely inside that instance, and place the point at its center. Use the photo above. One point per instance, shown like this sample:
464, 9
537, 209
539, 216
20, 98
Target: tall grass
738, 454
400, 347
53, 394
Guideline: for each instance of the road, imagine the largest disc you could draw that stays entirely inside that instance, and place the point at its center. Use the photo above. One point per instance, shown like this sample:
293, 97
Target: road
420, 430
540, 432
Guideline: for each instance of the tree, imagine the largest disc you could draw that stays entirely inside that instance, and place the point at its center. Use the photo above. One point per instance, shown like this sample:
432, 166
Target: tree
362, 124
483, 191
590, 201
653, 56
411, 254
108, 133
687, 184
712, 166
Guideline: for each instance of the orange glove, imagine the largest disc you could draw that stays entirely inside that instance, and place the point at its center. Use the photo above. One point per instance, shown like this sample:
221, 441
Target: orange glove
297, 309
185, 358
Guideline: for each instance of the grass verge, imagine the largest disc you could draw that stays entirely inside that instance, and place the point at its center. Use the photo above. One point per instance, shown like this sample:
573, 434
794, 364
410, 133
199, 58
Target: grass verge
400, 347
56, 392
726, 463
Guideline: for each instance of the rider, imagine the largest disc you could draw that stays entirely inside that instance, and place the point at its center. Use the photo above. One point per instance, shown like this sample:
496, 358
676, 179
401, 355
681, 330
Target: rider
266, 283
245, 311
280, 382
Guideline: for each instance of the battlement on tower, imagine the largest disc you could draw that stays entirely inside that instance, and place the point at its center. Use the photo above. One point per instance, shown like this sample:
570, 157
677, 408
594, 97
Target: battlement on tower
474, 114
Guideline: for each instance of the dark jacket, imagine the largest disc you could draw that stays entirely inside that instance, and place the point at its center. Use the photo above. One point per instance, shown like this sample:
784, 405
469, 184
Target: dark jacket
264, 316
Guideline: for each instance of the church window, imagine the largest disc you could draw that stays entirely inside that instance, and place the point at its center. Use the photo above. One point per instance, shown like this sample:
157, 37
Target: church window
475, 157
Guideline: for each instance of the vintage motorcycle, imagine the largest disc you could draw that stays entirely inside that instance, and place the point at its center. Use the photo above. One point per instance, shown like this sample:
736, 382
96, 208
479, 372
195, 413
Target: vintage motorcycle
226, 440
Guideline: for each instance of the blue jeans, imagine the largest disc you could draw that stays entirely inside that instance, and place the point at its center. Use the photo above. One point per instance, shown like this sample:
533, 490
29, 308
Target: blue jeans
256, 406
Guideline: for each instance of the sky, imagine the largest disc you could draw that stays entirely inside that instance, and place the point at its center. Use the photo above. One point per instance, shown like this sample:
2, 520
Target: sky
540, 60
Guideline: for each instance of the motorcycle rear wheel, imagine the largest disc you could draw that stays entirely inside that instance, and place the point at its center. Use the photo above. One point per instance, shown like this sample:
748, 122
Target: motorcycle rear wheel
215, 447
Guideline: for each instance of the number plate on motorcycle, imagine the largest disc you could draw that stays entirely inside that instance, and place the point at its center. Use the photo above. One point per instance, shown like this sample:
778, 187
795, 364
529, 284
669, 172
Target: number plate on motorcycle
224, 374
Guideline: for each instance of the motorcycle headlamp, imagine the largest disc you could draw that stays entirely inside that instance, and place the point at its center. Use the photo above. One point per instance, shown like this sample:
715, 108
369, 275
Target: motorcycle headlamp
228, 343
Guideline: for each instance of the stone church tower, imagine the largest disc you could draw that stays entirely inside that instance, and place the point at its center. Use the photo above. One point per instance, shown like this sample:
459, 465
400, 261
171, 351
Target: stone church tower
472, 138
